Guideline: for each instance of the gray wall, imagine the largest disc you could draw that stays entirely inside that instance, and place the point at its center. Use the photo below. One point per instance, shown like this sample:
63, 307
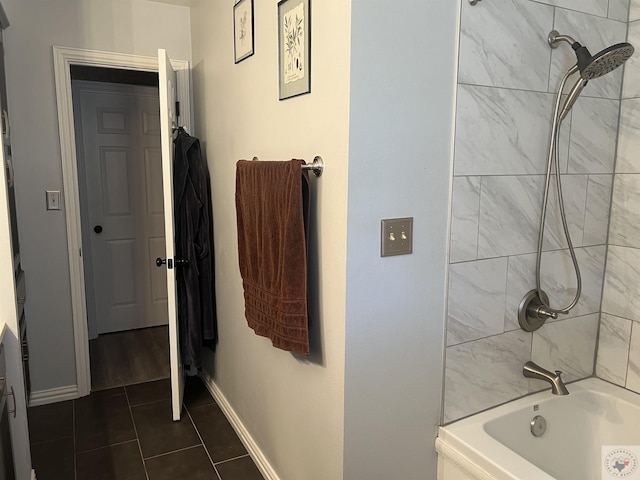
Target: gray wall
403, 58
507, 79
128, 26
381, 116
619, 341
291, 406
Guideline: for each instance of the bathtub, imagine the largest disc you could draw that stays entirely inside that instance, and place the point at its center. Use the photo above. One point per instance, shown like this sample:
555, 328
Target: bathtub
498, 444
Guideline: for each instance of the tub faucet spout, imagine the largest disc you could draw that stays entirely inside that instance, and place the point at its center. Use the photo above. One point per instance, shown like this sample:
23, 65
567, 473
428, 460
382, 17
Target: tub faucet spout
532, 370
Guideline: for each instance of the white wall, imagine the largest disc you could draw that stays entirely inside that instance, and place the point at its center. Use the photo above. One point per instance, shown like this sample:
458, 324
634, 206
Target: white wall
403, 58
292, 407
128, 26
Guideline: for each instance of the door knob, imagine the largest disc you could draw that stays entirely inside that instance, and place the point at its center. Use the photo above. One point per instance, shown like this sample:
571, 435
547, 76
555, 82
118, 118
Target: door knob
162, 261
97, 229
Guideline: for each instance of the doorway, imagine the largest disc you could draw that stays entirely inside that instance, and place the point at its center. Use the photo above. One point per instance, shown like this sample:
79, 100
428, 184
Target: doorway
64, 59
119, 164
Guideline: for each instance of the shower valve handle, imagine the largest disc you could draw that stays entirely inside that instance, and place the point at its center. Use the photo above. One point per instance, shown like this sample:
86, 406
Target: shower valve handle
542, 312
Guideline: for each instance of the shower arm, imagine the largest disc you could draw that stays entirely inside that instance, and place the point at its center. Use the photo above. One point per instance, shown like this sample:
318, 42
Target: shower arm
555, 38
553, 154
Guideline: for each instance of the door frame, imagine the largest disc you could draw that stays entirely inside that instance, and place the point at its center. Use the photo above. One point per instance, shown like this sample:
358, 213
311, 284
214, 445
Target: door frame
63, 58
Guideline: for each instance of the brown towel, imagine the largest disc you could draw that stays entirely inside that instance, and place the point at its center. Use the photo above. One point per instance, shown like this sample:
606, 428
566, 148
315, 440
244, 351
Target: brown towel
272, 212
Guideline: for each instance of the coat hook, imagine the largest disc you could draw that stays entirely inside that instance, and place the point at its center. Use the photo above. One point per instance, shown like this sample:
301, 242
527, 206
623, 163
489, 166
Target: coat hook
473, 2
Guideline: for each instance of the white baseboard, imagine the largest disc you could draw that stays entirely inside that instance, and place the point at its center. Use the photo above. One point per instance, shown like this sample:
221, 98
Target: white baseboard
53, 395
249, 442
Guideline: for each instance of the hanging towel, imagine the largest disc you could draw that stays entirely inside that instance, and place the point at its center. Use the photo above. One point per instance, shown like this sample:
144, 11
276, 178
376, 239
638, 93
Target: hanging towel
194, 243
272, 204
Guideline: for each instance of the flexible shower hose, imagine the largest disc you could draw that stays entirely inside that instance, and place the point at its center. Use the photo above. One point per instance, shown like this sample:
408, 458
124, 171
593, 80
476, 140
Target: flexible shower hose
553, 158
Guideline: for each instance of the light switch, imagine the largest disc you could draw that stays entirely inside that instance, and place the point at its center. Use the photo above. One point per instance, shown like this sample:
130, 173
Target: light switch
397, 236
53, 199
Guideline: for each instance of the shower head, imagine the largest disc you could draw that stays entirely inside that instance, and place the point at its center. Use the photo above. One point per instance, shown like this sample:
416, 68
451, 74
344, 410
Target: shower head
605, 61
594, 66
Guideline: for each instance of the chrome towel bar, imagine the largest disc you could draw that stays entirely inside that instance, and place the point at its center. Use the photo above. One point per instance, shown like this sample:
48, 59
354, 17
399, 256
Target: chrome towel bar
317, 166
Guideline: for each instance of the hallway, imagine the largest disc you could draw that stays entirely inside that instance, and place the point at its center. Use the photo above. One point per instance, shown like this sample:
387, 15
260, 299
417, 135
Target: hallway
126, 433
129, 357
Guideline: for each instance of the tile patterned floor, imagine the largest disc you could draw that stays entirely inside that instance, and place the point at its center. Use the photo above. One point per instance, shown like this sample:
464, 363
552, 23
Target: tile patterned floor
126, 433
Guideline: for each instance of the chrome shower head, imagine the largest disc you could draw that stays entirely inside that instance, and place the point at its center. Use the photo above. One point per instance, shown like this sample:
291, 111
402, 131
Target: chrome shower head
606, 61
594, 66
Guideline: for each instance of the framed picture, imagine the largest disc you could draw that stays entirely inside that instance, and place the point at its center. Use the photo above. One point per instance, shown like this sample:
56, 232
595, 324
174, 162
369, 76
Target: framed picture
294, 46
243, 30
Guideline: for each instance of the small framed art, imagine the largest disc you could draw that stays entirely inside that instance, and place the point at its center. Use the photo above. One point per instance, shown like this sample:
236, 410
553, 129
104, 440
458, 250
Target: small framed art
243, 30
294, 46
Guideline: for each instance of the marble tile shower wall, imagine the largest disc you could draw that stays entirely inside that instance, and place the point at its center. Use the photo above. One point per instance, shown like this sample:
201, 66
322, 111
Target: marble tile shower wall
619, 340
507, 79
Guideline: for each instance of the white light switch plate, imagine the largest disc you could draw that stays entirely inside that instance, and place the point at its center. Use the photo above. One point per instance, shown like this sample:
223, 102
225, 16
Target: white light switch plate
53, 199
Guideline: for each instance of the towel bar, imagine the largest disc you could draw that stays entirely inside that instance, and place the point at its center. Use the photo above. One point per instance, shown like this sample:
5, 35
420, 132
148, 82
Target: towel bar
316, 166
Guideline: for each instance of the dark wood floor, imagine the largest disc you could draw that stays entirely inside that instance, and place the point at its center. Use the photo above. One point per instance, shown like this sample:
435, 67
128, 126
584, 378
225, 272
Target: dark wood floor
125, 358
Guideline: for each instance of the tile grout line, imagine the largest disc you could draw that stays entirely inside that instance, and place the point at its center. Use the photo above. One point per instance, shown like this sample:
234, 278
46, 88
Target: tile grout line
125, 385
232, 459
150, 402
203, 444
174, 451
143, 383
105, 446
135, 429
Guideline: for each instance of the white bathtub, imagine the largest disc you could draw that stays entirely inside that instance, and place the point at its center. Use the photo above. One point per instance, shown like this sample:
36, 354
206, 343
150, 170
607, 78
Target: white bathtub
498, 444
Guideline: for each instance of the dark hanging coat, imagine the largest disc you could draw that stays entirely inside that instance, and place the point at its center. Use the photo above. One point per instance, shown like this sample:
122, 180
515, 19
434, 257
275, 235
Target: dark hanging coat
194, 242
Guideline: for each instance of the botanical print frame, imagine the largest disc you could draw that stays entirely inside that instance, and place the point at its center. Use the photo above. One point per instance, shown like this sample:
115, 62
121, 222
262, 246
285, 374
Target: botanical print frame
243, 44
294, 47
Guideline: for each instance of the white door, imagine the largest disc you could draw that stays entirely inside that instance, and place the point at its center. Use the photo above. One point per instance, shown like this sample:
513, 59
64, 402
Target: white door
121, 160
168, 120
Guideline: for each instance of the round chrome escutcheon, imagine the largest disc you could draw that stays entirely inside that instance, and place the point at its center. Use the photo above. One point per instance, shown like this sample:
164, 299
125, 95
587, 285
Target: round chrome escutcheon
528, 318
538, 426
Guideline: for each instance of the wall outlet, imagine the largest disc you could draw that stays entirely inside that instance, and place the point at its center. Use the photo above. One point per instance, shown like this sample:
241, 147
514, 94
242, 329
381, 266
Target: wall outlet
53, 199
397, 236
